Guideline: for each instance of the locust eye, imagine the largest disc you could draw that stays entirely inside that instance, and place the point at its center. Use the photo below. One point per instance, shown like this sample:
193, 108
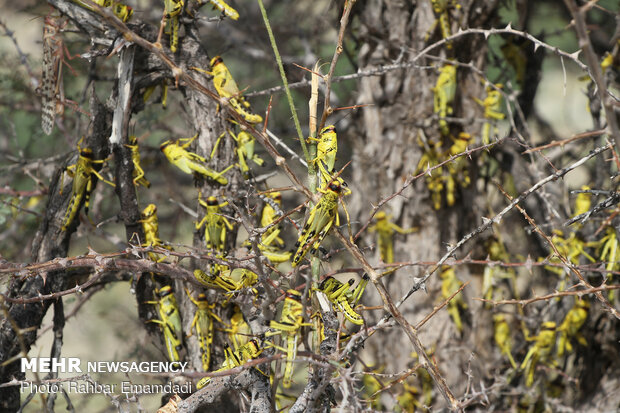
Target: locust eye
334, 186
216, 60
293, 294
322, 286
86, 153
166, 290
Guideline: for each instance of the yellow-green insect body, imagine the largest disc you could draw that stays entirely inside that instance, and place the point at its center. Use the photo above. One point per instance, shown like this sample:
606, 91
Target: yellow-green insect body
502, 337
540, 352
583, 202
609, 253
385, 235
340, 295
458, 168
449, 285
271, 243
169, 322
215, 224
190, 162
150, 226
239, 331
172, 12
434, 179
569, 329
83, 173
249, 351
138, 172
224, 8
226, 87
203, 323
245, 151
120, 10
492, 105
442, 8
444, 94
291, 321
321, 219
217, 280
326, 149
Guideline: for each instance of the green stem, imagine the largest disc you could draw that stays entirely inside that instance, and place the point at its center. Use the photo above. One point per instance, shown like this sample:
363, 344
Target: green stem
284, 81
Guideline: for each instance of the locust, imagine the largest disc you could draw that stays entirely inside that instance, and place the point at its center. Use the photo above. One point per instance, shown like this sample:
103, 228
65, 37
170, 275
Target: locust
190, 162
271, 243
492, 105
83, 173
569, 329
290, 324
51, 77
326, 149
343, 298
172, 12
385, 230
169, 321
540, 352
249, 351
138, 172
215, 224
444, 93
150, 225
502, 337
321, 219
449, 285
244, 150
203, 324
226, 87
224, 8
442, 9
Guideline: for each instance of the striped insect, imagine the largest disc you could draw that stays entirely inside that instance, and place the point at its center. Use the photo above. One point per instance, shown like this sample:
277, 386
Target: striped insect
225, 9
442, 9
83, 173
290, 324
216, 225
249, 351
169, 321
444, 94
326, 148
321, 219
203, 324
226, 87
52, 93
343, 298
172, 12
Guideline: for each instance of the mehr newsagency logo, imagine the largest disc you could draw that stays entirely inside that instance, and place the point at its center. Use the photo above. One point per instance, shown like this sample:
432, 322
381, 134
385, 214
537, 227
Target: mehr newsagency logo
73, 365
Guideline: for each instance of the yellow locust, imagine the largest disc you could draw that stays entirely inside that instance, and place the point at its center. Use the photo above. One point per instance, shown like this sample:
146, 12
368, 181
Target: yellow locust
290, 324
227, 88
203, 323
385, 235
340, 295
249, 351
83, 173
322, 217
190, 162
169, 322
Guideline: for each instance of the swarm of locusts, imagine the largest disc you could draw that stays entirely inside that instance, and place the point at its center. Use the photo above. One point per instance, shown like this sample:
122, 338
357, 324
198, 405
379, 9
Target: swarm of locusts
226, 338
